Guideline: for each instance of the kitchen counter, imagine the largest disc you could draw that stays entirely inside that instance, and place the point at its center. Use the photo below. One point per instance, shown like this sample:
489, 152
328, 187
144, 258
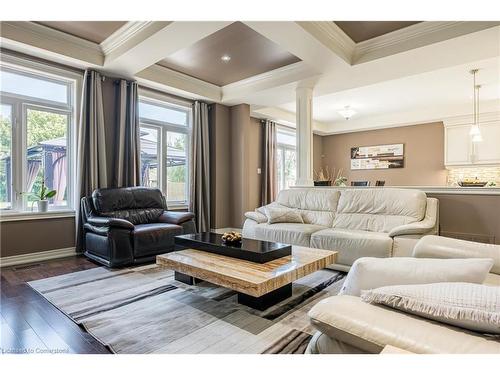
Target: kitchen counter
427, 189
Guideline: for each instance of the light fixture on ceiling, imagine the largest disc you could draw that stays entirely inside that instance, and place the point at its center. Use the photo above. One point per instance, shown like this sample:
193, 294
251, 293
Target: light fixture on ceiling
347, 112
475, 132
225, 58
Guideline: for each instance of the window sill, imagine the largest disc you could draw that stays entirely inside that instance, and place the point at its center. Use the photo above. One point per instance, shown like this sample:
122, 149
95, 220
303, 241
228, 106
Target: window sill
34, 215
177, 206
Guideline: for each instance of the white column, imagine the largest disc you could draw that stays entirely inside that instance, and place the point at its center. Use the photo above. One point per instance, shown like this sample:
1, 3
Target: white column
304, 136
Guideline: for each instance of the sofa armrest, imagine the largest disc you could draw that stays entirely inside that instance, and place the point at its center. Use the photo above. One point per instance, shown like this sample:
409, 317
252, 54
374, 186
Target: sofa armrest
372, 327
444, 247
172, 217
256, 216
426, 226
101, 221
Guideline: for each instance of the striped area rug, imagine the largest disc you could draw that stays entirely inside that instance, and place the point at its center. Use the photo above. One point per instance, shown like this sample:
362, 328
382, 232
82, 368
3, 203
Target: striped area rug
144, 310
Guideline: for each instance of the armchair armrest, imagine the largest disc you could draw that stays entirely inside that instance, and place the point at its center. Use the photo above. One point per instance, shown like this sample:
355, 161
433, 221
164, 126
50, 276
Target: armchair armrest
101, 221
177, 218
428, 224
256, 216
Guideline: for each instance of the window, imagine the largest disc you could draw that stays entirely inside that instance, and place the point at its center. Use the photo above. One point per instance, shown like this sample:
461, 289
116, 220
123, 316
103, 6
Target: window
286, 165
36, 126
164, 138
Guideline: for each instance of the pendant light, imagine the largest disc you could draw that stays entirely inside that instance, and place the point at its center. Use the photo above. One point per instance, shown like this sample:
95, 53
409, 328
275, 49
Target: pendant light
475, 132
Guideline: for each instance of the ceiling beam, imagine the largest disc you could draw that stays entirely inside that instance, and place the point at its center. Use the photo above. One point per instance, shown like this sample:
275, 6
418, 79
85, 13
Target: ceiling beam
285, 117
237, 91
168, 80
155, 41
295, 39
47, 43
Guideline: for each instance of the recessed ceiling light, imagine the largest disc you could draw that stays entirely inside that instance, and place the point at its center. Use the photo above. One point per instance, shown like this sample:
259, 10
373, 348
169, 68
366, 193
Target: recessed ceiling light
225, 58
347, 112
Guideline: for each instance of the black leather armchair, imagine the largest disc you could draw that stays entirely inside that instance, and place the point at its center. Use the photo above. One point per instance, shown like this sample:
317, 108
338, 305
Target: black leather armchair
126, 226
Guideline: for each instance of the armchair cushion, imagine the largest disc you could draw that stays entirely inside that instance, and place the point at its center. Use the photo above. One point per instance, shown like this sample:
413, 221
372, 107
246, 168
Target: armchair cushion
139, 205
371, 273
152, 238
173, 217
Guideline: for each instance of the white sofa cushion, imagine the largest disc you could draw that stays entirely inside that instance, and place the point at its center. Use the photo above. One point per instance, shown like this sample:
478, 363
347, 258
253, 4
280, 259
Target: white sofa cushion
310, 199
379, 210
372, 327
317, 206
256, 216
371, 273
470, 306
282, 215
352, 244
289, 233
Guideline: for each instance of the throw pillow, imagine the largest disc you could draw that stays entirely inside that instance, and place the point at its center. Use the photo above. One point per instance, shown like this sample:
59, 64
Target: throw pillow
282, 215
371, 273
470, 306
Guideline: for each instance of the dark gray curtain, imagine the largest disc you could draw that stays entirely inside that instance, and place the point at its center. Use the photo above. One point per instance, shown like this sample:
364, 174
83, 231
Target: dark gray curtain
268, 188
108, 153
91, 151
127, 151
199, 202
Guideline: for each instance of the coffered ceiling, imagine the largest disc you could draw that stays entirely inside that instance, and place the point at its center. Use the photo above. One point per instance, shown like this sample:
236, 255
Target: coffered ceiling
250, 54
390, 72
359, 31
93, 31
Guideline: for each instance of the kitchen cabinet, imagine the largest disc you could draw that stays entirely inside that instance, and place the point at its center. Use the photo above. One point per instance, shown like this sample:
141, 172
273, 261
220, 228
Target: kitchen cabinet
461, 151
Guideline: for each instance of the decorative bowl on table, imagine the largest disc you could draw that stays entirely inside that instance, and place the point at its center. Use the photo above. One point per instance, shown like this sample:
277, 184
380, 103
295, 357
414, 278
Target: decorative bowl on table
472, 183
231, 238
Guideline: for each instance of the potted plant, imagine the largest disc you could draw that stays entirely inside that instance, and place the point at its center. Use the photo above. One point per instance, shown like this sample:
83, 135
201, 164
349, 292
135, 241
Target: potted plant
43, 197
340, 180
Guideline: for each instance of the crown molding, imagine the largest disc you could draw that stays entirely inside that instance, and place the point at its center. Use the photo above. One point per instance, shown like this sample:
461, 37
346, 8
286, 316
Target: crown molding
25, 36
161, 78
122, 35
414, 36
467, 119
332, 37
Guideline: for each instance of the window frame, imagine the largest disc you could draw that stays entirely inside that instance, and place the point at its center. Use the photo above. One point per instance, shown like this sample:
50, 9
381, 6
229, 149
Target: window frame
20, 105
284, 147
163, 128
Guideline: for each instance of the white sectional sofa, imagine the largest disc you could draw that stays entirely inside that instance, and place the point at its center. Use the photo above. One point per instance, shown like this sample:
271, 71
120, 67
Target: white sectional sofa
375, 222
347, 325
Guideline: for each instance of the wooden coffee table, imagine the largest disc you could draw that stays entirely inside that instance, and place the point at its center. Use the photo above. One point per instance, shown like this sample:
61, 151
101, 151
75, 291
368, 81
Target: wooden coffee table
258, 285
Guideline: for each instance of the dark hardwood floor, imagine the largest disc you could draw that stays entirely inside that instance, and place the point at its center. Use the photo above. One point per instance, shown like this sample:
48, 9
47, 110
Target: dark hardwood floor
29, 323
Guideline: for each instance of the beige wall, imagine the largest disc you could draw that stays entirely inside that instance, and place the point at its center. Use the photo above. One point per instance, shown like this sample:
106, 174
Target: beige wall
220, 165
317, 153
30, 236
471, 217
245, 159
424, 154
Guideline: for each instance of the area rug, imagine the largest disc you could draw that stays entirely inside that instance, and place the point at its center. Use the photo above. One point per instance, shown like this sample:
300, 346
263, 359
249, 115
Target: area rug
144, 310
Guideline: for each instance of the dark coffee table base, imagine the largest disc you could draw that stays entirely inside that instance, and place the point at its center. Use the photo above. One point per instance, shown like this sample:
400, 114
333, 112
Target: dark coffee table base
186, 279
267, 300
259, 303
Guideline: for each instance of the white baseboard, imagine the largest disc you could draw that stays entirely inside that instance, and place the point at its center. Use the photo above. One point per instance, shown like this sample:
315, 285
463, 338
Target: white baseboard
36, 257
